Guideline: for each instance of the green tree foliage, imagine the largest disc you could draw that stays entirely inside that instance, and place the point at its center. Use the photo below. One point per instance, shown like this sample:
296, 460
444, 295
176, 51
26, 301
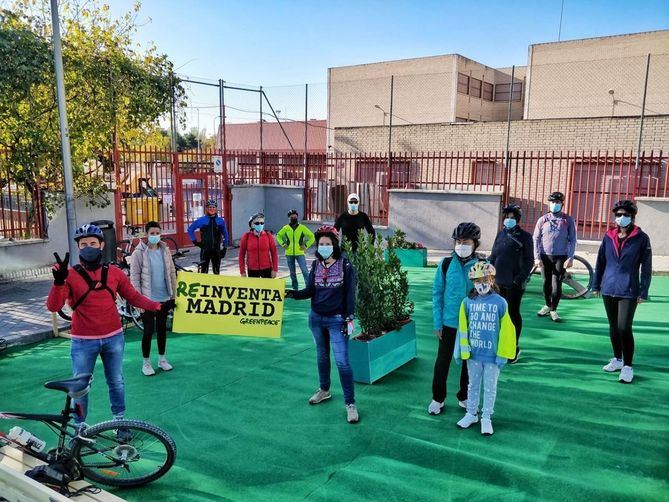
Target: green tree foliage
111, 87
382, 300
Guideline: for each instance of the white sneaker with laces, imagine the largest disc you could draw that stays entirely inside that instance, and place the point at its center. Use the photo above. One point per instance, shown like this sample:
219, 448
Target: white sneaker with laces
164, 365
320, 396
486, 427
352, 415
554, 316
614, 365
435, 407
147, 369
468, 420
544, 311
626, 374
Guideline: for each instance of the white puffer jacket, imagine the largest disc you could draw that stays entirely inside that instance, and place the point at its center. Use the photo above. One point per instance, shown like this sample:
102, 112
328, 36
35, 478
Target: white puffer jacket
140, 269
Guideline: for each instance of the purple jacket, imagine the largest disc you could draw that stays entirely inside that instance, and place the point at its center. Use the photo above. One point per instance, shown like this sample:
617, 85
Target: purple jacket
555, 235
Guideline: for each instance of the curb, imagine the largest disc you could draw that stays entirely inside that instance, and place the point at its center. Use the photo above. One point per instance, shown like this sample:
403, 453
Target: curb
14, 341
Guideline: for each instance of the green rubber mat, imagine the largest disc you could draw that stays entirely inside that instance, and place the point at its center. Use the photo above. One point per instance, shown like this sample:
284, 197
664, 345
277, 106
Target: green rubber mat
237, 409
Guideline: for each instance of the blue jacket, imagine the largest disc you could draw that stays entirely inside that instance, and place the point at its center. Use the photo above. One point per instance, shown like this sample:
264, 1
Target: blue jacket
211, 229
513, 257
617, 269
450, 287
332, 289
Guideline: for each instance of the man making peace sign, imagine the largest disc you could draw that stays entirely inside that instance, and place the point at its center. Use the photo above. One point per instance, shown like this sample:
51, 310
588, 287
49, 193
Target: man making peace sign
90, 289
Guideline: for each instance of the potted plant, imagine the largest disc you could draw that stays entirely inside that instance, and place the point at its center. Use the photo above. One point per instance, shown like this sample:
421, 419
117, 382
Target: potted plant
410, 254
387, 337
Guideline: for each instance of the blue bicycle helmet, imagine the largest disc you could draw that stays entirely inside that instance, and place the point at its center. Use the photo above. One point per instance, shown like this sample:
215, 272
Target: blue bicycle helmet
88, 230
212, 203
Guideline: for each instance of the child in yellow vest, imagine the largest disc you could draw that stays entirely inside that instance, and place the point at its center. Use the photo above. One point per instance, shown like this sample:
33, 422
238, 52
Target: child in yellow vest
487, 339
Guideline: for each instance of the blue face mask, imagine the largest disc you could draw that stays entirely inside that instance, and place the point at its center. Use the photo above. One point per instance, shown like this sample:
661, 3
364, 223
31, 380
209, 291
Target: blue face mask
353, 207
509, 223
556, 207
325, 251
91, 257
259, 228
154, 239
623, 221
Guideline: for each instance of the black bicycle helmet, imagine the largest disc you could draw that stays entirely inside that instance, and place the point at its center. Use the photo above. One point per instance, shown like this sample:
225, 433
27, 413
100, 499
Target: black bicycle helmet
467, 230
292, 212
513, 209
88, 230
627, 205
212, 203
556, 197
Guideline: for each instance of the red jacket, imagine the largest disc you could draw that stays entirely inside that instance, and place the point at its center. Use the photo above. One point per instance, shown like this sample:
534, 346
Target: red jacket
97, 316
258, 251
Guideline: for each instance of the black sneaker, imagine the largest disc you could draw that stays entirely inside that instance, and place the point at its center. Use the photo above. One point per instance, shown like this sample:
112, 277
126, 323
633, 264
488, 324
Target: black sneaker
123, 435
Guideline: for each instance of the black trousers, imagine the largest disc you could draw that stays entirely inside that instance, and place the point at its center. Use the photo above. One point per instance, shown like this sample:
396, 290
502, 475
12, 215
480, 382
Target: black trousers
620, 312
265, 273
553, 272
213, 255
513, 296
154, 321
443, 363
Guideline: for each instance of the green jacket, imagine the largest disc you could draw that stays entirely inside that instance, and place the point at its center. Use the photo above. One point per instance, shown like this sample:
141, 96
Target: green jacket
292, 239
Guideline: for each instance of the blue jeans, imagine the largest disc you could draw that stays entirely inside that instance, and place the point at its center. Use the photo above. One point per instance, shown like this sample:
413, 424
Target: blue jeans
327, 330
302, 262
84, 355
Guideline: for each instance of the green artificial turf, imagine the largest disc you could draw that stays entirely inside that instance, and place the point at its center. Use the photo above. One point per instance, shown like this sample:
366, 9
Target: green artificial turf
237, 410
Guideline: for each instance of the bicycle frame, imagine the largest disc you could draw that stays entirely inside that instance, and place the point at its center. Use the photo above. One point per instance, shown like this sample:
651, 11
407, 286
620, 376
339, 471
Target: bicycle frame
59, 422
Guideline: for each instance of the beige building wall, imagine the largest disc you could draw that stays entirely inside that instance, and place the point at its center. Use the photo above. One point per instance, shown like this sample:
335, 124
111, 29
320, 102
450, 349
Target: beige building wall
478, 109
573, 78
618, 134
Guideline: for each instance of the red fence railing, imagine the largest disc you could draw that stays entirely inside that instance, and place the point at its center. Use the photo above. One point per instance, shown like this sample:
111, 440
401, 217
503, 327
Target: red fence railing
172, 187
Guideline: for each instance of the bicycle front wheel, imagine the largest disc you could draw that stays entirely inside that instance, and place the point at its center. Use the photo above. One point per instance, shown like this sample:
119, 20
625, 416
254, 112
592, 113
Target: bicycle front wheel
124, 453
577, 281
127, 311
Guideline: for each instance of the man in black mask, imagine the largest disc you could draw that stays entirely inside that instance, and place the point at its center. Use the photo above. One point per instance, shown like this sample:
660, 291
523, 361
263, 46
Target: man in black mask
90, 289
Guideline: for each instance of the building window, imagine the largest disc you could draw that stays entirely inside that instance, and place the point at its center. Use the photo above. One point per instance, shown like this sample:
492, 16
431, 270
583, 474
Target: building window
502, 91
487, 91
475, 88
463, 83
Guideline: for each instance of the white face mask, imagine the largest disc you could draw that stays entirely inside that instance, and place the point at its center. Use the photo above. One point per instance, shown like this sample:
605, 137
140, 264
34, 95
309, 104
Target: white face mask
464, 250
482, 288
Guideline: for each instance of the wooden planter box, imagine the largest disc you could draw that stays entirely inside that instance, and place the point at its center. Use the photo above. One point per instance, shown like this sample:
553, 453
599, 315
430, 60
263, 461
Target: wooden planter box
411, 257
376, 358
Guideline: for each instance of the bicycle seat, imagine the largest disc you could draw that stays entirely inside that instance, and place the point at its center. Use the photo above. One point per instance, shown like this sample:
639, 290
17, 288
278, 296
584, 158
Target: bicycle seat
75, 387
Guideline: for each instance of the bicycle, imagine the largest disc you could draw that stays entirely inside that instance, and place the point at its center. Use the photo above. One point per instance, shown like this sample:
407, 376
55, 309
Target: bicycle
578, 283
119, 453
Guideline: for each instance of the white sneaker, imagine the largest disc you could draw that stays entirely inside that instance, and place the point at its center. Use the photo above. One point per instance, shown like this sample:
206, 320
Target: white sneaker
554, 316
626, 374
164, 365
352, 415
147, 369
435, 407
544, 311
467, 420
320, 396
486, 427
614, 365
462, 404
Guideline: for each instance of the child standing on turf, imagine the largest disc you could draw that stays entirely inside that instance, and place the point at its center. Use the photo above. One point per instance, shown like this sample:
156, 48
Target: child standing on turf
487, 339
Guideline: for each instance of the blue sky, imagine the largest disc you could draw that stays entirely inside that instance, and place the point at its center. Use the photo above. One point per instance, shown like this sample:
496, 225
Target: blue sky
280, 43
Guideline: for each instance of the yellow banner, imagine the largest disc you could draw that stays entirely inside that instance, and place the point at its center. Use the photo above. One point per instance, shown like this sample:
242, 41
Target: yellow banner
223, 305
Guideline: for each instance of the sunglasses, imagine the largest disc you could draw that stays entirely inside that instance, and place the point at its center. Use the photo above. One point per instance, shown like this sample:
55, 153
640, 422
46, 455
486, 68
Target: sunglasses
258, 222
353, 201
622, 214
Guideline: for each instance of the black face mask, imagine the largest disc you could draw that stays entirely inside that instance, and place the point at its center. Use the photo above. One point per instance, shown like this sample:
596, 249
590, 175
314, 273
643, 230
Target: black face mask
90, 257
293, 221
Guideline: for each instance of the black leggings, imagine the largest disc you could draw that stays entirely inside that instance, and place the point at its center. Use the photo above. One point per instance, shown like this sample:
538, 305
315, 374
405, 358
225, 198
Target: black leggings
553, 273
513, 296
213, 255
154, 321
265, 273
620, 312
443, 363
